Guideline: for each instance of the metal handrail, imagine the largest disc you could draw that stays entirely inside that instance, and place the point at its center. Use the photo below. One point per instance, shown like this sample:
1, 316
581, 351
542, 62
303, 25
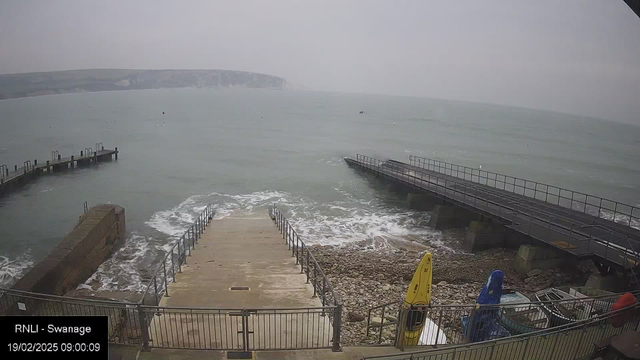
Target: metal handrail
444, 186
384, 311
511, 304
546, 333
303, 254
300, 250
160, 281
628, 252
454, 170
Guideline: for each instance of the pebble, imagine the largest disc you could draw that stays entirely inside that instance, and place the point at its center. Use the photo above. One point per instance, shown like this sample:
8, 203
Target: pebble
534, 272
365, 279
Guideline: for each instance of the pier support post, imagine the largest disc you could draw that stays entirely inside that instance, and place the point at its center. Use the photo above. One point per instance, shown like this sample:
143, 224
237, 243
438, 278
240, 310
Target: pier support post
48, 168
422, 202
482, 235
16, 167
72, 162
116, 153
533, 257
451, 217
610, 282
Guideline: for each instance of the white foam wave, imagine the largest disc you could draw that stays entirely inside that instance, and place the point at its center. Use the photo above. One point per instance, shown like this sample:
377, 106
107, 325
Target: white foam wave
619, 218
122, 272
176, 221
11, 269
351, 219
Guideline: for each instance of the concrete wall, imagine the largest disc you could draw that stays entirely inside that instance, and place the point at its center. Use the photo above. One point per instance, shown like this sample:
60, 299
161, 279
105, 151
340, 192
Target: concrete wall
98, 233
423, 202
451, 217
537, 257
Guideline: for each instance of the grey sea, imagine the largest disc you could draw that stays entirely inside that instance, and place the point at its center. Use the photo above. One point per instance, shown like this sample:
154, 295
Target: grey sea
246, 149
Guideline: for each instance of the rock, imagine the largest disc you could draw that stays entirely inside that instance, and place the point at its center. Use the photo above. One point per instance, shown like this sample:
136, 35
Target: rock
442, 283
387, 333
355, 317
534, 272
386, 287
471, 295
375, 320
528, 280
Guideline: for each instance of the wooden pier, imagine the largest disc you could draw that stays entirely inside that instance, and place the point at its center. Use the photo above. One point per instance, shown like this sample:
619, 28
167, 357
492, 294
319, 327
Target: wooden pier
13, 178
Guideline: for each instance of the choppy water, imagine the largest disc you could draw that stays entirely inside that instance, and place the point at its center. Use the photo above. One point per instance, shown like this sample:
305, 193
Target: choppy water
247, 149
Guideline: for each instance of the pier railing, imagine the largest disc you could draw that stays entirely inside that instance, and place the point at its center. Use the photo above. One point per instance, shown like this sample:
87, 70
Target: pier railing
158, 285
459, 324
619, 212
573, 237
566, 342
314, 274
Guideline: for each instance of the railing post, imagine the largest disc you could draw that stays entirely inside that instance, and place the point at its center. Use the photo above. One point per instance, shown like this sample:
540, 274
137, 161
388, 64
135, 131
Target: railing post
155, 287
301, 260
315, 293
180, 253
173, 265
307, 271
144, 330
166, 285
337, 327
189, 241
324, 292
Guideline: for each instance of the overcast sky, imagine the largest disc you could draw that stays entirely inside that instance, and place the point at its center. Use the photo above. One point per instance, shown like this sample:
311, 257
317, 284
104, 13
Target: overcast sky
576, 56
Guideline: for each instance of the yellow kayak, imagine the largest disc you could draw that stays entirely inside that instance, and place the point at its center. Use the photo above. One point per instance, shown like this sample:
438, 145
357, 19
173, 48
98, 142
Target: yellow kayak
418, 294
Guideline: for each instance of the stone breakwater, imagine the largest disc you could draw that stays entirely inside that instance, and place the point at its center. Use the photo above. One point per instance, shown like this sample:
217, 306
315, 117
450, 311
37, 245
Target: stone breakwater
365, 275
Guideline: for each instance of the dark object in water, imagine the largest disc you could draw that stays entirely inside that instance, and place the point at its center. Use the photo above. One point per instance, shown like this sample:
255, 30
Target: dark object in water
163, 113
361, 112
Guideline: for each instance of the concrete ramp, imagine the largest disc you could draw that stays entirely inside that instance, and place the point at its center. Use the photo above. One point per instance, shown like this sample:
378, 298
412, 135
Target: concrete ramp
240, 289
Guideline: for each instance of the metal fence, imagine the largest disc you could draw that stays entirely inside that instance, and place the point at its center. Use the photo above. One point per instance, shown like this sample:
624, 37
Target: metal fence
149, 325
566, 235
460, 324
241, 329
565, 342
158, 285
123, 318
621, 213
315, 275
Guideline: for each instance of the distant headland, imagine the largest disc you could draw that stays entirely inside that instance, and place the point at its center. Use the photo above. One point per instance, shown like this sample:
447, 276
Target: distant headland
75, 81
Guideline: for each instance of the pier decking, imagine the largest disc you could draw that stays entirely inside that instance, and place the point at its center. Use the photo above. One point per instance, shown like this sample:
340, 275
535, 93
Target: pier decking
12, 178
576, 223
